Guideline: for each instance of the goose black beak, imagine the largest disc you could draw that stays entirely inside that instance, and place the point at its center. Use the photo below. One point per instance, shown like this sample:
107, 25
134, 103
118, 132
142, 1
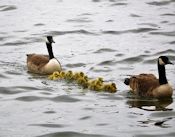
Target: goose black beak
53, 41
169, 62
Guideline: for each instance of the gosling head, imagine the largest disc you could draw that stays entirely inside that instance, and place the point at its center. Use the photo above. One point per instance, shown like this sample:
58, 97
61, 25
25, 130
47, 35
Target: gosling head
56, 74
62, 74
164, 60
81, 74
69, 73
100, 79
86, 78
113, 85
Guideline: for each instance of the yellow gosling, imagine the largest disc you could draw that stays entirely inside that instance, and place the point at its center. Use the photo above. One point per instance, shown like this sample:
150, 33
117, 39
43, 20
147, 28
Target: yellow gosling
69, 75
78, 75
81, 74
62, 74
50, 77
100, 80
113, 88
75, 75
86, 78
98, 87
54, 76
93, 84
110, 87
82, 81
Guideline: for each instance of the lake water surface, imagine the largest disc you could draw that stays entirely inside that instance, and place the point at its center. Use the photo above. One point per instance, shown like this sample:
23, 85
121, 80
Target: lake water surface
106, 38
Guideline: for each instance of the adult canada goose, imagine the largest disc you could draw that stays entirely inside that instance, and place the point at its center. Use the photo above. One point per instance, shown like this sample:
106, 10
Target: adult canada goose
148, 85
43, 64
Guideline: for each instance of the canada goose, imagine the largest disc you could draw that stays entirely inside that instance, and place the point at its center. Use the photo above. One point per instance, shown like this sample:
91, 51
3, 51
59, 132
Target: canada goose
148, 85
43, 64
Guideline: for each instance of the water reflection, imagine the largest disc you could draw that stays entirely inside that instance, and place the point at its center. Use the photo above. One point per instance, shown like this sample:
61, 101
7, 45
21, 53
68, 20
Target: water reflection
71, 134
150, 104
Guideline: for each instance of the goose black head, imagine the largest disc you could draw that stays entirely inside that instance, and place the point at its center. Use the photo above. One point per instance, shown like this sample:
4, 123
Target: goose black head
164, 60
49, 39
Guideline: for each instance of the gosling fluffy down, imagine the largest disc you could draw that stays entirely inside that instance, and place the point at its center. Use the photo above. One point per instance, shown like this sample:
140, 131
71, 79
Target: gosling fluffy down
147, 85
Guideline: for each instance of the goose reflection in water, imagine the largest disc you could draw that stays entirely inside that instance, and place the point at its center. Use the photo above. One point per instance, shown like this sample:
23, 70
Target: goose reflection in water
150, 104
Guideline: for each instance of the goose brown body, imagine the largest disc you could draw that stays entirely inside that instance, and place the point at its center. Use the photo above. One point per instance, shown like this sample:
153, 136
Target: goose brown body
147, 85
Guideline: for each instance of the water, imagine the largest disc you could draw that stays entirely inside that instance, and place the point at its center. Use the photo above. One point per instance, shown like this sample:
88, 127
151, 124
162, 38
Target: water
107, 38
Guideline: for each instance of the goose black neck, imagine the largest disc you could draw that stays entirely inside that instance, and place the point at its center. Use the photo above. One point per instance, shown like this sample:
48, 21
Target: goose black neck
162, 74
49, 48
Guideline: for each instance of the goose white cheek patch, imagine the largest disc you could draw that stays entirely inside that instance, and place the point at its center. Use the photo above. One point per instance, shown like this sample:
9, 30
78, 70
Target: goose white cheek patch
45, 39
161, 62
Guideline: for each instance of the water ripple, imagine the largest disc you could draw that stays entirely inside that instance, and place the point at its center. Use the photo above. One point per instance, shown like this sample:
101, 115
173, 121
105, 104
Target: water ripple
168, 51
2, 38
29, 98
119, 55
172, 134
102, 50
8, 90
135, 15
107, 62
96, 0
3, 76
81, 31
172, 42
80, 20
170, 33
139, 30
167, 14
64, 98
131, 60
97, 69
49, 125
159, 3
71, 134
16, 43
7, 7
149, 24
49, 112
119, 4
39, 24
85, 118
75, 65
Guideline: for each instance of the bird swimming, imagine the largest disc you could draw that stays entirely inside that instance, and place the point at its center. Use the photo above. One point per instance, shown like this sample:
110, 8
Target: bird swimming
44, 64
147, 85
82, 80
